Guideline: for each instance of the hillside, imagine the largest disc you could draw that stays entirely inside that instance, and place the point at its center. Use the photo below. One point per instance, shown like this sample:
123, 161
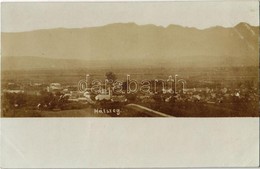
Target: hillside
131, 45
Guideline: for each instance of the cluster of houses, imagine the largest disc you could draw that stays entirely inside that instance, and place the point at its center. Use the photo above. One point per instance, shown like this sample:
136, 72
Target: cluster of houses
206, 95
73, 94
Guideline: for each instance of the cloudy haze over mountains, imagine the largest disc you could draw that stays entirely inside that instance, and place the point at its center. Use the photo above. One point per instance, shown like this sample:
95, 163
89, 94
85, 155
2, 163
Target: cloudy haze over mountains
19, 17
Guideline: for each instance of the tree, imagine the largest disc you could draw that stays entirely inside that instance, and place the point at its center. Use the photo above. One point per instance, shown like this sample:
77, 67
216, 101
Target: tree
111, 76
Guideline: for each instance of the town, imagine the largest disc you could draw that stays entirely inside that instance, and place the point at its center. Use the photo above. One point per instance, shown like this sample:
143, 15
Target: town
174, 96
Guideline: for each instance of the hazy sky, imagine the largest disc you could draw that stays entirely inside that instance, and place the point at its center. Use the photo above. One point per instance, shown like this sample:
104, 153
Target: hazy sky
31, 16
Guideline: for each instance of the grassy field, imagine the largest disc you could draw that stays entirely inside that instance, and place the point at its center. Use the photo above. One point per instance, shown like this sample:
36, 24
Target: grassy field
87, 112
73, 76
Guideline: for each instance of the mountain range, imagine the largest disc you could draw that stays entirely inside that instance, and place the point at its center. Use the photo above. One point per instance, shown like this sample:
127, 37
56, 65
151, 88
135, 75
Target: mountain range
130, 45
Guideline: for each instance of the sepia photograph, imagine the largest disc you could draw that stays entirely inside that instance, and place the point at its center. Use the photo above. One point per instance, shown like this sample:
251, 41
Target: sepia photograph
81, 81
130, 59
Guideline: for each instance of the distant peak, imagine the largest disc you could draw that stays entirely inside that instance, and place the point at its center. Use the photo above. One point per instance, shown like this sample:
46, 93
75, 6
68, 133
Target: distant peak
174, 26
122, 24
242, 24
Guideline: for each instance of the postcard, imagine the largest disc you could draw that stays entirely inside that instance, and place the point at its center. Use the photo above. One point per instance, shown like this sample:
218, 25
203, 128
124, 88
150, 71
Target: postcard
133, 60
